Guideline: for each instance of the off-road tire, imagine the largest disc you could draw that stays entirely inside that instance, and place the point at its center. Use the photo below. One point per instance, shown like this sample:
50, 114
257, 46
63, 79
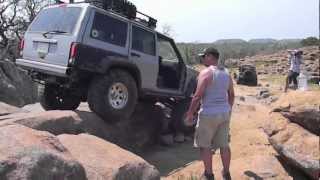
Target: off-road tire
97, 3
52, 97
98, 95
248, 78
179, 114
251, 78
255, 81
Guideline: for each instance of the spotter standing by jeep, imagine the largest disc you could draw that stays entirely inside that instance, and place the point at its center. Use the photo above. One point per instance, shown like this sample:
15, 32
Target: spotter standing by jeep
106, 56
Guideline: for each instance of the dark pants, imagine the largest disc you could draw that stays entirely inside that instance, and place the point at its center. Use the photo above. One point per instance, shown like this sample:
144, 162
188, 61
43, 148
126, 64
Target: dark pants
292, 77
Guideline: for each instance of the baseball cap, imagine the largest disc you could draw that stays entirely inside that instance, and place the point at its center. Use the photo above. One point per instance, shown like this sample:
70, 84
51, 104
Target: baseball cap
210, 50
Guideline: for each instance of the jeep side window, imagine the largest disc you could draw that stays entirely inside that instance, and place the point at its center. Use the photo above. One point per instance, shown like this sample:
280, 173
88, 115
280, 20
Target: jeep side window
109, 30
166, 50
143, 41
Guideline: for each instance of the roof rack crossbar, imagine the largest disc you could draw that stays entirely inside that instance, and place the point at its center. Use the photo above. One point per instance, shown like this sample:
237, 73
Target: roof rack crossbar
121, 11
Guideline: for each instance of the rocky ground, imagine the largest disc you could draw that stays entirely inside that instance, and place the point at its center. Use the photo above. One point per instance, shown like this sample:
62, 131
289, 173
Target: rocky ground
274, 140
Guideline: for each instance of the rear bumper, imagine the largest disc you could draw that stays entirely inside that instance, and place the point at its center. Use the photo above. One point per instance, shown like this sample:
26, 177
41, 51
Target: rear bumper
45, 68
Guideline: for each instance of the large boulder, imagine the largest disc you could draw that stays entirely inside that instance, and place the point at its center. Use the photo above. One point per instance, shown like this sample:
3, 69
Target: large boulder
35, 155
16, 87
307, 117
104, 160
294, 144
55, 122
6, 109
33, 108
302, 108
136, 134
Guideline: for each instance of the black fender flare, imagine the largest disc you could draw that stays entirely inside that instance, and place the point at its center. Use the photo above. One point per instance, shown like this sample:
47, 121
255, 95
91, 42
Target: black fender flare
101, 61
131, 68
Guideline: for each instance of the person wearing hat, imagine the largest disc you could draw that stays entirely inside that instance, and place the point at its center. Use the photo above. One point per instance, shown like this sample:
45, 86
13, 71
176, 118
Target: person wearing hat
295, 60
216, 93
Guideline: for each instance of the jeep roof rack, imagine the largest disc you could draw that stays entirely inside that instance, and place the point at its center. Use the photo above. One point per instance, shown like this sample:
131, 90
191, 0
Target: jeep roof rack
122, 8
151, 22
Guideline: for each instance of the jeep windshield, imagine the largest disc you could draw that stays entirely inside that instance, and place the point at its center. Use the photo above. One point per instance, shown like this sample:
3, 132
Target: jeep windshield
58, 19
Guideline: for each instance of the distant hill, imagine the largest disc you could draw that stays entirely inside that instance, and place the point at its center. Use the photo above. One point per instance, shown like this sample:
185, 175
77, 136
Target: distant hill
263, 41
290, 41
228, 41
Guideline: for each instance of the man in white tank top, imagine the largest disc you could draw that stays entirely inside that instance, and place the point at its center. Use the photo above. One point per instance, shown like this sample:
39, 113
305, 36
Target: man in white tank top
216, 94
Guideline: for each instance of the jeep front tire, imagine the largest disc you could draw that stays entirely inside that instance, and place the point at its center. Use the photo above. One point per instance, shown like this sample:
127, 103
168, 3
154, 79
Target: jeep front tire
113, 96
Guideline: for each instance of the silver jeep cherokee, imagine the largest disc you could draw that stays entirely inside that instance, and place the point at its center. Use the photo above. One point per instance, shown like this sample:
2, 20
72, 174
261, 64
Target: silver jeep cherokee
84, 53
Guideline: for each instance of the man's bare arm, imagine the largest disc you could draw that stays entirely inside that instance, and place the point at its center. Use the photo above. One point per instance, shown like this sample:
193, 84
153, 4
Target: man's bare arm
201, 86
231, 93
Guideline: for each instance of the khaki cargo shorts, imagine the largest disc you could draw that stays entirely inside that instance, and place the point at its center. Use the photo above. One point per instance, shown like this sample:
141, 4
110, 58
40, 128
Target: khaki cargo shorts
212, 131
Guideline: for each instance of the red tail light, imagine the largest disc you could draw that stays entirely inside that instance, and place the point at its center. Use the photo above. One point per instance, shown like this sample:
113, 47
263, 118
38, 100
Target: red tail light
21, 45
73, 53
73, 50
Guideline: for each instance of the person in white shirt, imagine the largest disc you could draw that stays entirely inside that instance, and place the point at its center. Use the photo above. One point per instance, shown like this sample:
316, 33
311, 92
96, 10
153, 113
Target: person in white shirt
295, 60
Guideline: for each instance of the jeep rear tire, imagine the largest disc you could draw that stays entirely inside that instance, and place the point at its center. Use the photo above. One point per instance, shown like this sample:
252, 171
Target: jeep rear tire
113, 96
54, 98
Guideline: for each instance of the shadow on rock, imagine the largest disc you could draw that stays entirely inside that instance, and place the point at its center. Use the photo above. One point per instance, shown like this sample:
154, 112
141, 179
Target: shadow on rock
253, 175
295, 173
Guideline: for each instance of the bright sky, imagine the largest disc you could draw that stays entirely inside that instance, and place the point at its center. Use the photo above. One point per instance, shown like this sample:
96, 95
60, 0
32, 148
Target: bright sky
210, 20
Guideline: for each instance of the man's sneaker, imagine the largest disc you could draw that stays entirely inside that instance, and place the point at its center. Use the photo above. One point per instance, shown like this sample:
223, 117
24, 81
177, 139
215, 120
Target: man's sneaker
206, 176
226, 176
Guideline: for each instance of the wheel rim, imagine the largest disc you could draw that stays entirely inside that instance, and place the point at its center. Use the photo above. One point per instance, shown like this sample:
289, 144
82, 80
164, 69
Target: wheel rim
118, 95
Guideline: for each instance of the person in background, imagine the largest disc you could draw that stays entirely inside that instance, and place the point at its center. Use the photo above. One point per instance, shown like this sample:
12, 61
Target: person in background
216, 93
295, 61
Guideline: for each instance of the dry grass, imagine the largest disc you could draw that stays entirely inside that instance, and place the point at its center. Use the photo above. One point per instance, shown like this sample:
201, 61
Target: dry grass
274, 79
280, 80
314, 87
260, 64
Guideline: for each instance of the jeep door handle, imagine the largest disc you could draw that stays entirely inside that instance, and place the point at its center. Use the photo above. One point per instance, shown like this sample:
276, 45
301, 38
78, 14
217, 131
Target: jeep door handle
135, 55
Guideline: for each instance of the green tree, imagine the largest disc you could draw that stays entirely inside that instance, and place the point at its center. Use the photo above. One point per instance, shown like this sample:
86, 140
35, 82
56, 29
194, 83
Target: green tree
15, 17
310, 41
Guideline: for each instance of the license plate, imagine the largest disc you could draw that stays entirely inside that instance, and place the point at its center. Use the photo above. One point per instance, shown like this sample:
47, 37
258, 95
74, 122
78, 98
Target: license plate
43, 47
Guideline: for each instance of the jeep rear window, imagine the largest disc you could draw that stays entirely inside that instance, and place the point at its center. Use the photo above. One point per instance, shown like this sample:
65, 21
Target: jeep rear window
56, 19
109, 30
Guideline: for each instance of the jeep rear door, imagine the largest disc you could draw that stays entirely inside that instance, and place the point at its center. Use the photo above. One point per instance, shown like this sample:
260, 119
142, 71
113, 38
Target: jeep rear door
49, 37
143, 54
